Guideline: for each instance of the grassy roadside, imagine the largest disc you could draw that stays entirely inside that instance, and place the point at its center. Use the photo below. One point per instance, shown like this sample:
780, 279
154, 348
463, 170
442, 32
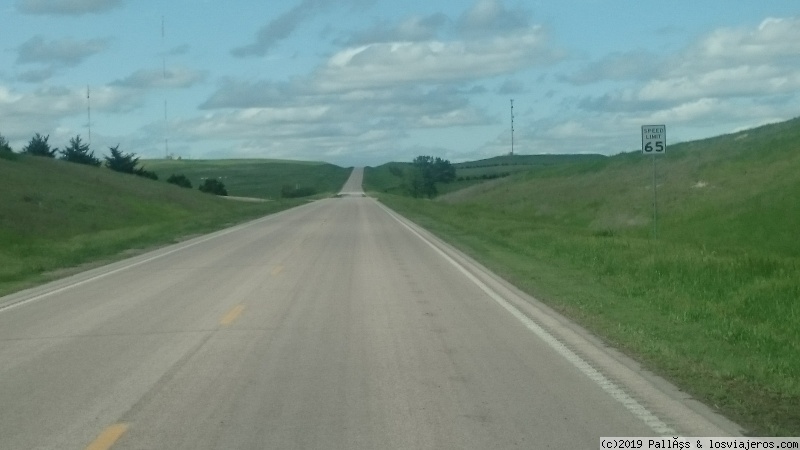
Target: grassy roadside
56, 215
712, 304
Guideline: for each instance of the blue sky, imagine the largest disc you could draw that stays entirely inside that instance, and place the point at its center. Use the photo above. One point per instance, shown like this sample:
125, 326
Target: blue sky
362, 82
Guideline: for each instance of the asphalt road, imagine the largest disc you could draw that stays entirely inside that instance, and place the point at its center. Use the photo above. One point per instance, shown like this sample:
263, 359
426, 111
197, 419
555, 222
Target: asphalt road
335, 325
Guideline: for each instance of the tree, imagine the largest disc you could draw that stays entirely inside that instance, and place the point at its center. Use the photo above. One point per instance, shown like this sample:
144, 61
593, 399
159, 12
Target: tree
419, 182
4, 147
425, 172
38, 146
5, 150
213, 186
121, 162
180, 180
78, 152
126, 163
443, 171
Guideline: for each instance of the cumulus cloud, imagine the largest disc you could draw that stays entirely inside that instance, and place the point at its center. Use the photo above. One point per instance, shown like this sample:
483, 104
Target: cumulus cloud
405, 106
47, 107
66, 7
726, 64
412, 29
377, 65
170, 78
419, 73
60, 52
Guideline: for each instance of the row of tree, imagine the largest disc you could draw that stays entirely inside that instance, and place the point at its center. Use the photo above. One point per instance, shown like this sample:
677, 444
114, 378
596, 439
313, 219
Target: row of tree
78, 152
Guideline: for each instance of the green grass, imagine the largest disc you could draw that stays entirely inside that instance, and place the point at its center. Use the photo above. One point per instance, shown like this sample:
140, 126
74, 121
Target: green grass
388, 178
509, 161
261, 178
713, 304
56, 215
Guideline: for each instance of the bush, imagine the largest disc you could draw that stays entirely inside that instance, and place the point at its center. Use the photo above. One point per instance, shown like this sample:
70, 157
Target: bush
213, 186
146, 174
180, 180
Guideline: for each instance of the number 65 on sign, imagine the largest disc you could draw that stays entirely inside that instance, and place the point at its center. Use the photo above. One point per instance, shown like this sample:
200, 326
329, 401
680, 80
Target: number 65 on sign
654, 139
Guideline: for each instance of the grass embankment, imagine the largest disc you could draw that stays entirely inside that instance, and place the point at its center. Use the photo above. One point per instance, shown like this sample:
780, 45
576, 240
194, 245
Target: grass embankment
389, 178
260, 178
713, 304
56, 215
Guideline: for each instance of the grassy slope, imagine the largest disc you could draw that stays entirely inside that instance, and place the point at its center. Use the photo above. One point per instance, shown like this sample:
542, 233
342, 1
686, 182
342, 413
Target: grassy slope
260, 178
713, 304
382, 178
55, 215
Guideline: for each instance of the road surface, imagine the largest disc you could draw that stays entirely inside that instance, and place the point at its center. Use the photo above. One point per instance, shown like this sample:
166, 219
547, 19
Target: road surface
335, 325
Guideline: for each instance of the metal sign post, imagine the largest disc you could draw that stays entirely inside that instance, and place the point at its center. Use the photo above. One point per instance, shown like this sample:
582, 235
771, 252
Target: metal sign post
654, 142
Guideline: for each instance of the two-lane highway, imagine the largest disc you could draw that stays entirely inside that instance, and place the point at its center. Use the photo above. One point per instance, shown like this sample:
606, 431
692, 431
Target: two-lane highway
335, 325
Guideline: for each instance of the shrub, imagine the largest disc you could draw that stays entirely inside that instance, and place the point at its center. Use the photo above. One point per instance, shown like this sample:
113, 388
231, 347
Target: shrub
213, 186
180, 180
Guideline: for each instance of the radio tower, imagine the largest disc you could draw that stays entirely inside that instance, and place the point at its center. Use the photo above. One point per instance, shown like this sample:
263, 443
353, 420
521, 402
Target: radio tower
512, 127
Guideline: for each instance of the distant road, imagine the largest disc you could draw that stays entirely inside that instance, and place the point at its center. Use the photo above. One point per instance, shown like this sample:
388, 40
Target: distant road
352, 187
335, 325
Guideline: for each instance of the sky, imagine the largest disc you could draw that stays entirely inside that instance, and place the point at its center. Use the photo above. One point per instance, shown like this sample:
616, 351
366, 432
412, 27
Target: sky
364, 82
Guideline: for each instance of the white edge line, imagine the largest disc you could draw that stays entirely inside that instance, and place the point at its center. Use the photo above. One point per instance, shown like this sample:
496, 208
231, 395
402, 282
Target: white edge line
611, 388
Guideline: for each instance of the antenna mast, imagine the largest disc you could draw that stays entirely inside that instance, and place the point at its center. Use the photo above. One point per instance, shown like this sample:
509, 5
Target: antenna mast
512, 127
89, 114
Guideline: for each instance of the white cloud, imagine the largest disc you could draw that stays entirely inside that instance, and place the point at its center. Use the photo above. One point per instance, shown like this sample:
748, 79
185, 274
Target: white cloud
724, 65
379, 65
23, 114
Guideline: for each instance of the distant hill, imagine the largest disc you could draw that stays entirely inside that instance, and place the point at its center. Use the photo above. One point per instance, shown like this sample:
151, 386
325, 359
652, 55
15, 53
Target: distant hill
262, 178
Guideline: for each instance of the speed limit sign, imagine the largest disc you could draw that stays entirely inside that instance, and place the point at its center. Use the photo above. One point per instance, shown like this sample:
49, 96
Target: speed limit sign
654, 139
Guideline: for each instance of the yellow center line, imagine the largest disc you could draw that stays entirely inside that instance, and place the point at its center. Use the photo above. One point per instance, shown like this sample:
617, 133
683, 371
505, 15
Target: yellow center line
108, 437
232, 315
278, 269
